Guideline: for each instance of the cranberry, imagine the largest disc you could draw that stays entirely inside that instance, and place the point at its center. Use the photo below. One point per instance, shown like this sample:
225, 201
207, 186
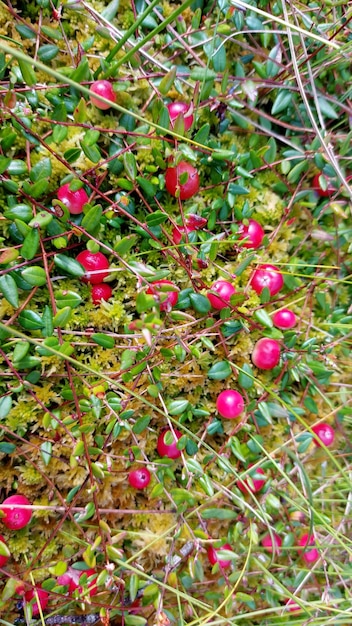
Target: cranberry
72, 579
169, 449
192, 222
330, 185
168, 299
37, 594
268, 544
68, 580
91, 584
230, 404
3, 558
74, 200
325, 434
101, 291
253, 232
139, 478
95, 263
182, 110
267, 275
266, 353
285, 318
182, 180
102, 88
256, 484
225, 291
16, 517
213, 557
309, 556
292, 605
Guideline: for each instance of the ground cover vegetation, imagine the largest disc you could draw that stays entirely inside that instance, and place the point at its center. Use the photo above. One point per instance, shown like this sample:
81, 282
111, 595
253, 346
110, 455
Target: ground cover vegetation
175, 426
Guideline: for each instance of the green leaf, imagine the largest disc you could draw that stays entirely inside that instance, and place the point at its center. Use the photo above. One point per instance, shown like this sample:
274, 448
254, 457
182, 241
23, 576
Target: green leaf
36, 190
327, 109
263, 318
22, 212
176, 407
67, 299
245, 377
71, 266
125, 244
17, 167
28, 73
59, 133
92, 152
46, 451
134, 620
7, 448
106, 341
200, 303
203, 133
148, 187
35, 275
30, 245
72, 154
282, 101
129, 162
42, 169
141, 424
220, 370
156, 218
62, 317
167, 81
9, 289
21, 349
5, 406
221, 514
91, 219
25, 31
30, 320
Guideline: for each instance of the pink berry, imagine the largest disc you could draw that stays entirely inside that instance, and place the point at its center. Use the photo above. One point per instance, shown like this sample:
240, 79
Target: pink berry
168, 298
213, 557
182, 180
192, 222
325, 434
285, 318
225, 290
230, 404
16, 517
253, 232
102, 88
268, 544
96, 264
292, 605
139, 478
330, 185
101, 291
182, 110
68, 580
269, 276
169, 449
309, 556
73, 200
254, 485
37, 594
266, 353
3, 558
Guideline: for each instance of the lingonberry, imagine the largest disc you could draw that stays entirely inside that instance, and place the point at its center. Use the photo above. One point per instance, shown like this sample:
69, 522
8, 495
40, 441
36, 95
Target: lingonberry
324, 186
37, 596
230, 404
139, 478
182, 110
269, 276
182, 180
213, 555
3, 558
266, 353
16, 516
192, 222
166, 293
267, 543
102, 88
325, 434
284, 319
254, 484
225, 290
101, 291
169, 449
95, 264
73, 200
252, 232
309, 556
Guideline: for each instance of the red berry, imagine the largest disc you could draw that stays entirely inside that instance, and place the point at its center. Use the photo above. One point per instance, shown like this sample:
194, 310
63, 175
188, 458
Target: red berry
266, 353
230, 404
225, 291
16, 517
95, 263
268, 544
102, 88
253, 232
192, 222
213, 557
101, 291
182, 180
285, 318
330, 186
3, 558
309, 556
74, 200
183, 110
37, 594
325, 434
292, 605
267, 275
68, 580
254, 485
169, 449
90, 584
139, 478
168, 298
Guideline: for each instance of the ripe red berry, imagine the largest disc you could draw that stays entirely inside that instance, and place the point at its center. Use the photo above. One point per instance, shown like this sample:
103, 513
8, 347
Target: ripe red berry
102, 88
266, 353
325, 434
16, 516
269, 276
90, 576
253, 232
183, 110
268, 544
3, 558
139, 478
225, 290
213, 556
292, 605
68, 580
254, 484
284, 319
101, 291
169, 449
74, 200
230, 404
182, 180
192, 222
35, 595
309, 556
168, 298
330, 185
95, 263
